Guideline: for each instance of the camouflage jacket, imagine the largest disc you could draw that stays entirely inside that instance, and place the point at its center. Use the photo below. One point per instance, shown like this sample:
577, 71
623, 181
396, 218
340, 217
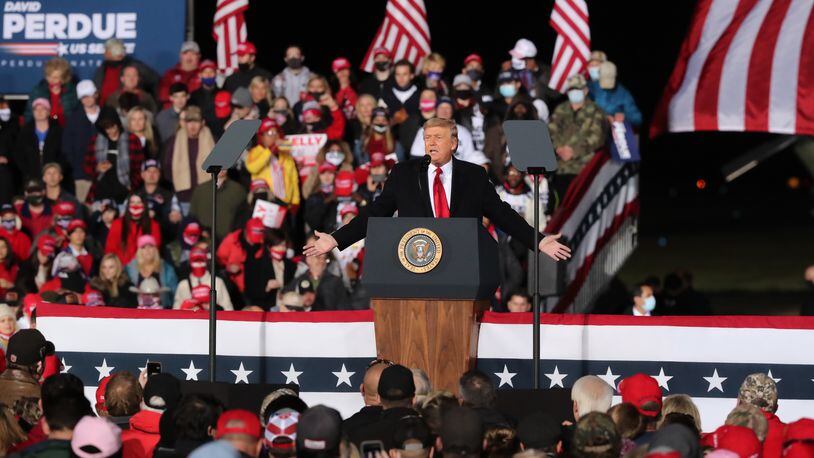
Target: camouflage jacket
584, 130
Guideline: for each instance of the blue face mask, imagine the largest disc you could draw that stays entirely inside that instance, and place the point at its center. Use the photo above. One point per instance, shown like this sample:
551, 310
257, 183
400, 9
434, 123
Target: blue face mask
593, 72
434, 76
208, 81
576, 96
649, 304
508, 90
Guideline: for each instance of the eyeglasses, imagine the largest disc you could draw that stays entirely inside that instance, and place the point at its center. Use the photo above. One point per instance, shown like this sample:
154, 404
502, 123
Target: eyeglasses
376, 361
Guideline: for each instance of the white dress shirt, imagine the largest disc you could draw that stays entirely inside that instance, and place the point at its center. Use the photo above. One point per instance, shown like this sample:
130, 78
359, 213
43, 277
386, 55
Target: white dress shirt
446, 181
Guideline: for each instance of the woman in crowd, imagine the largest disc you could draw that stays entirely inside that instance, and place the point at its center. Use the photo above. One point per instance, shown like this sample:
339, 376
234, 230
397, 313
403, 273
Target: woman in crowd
260, 92
344, 86
113, 283
336, 153
58, 88
379, 138
148, 264
126, 230
39, 141
140, 124
113, 162
8, 267
268, 162
318, 112
77, 232
8, 325
36, 271
358, 124
282, 114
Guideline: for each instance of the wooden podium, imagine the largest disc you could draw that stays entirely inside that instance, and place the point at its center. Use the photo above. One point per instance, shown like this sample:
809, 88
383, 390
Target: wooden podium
429, 320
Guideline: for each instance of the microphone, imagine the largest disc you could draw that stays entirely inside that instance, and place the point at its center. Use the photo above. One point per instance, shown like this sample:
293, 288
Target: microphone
425, 161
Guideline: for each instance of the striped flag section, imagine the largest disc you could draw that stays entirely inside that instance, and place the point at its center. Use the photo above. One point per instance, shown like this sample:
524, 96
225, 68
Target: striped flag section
598, 218
31, 49
229, 30
404, 32
744, 66
572, 48
704, 357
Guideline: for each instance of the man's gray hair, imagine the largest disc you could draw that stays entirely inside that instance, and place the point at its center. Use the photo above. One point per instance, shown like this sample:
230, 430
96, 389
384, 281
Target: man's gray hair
591, 394
441, 122
423, 386
115, 47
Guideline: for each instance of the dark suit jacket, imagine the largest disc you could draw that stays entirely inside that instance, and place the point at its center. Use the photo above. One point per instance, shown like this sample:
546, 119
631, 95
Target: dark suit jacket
407, 191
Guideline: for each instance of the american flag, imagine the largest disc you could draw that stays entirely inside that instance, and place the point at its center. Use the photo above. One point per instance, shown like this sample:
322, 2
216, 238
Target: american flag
404, 32
229, 30
572, 48
743, 66
598, 218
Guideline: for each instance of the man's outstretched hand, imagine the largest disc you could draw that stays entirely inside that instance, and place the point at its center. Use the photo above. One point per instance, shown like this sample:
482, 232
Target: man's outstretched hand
323, 244
554, 249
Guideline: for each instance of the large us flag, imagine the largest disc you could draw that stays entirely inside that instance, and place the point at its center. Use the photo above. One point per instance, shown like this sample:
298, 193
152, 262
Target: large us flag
745, 65
704, 357
572, 48
404, 32
229, 30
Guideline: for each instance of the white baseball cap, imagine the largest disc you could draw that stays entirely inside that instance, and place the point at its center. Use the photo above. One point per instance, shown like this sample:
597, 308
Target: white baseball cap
524, 49
85, 88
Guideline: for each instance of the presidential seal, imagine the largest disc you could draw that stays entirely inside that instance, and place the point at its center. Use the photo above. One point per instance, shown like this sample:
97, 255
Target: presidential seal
420, 250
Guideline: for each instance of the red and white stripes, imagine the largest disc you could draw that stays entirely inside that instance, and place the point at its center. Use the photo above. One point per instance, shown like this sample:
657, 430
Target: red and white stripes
404, 32
229, 30
745, 65
572, 48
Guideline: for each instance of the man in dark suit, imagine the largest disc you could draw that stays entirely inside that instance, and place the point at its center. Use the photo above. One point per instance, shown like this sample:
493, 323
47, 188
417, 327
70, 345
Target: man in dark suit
442, 187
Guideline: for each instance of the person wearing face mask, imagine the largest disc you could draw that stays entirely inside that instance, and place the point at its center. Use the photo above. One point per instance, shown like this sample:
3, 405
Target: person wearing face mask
66, 274
473, 68
58, 88
407, 131
234, 251
432, 73
401, 94
9, 130
114, 159
247, 68
196, 285
39, 141
267, 274
379, 137
336, 153
644, 302
266, 161
524, 62
282, 114
35, 213
509, 89
597, 59
344, 81
320, 207
330, 119
204, 96
19, 241
292, 81
612, 97
125, 231
373, 84
578, 128
468, 112
376, 174
63, 215
185, 71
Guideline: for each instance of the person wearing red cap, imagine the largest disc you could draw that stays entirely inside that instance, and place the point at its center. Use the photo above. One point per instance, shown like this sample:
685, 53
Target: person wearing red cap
221, 113
321, 206
131, 84
36, 270
76, 232
126, 230
266, 161
345, 95
335, 152
473, 68
236, 247
196, 285
247, 68
241, 429
36, 214
39, 141
292, 81
374, 178
9, 267
318, 111
185, 71
20, 242
204, 96
737, 439
374, 83
644, 393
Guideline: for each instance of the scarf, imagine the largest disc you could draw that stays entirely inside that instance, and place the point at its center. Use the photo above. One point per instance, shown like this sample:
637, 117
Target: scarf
404, 95
123, 164
180, 158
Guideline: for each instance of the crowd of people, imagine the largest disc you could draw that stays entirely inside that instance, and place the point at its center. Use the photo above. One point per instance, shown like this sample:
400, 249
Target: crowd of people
104, 200
44, 413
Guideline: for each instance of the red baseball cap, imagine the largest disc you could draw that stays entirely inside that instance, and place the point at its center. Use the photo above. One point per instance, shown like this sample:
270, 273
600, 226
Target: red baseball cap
267, 125
340, 63
100, 390
640, 389
326, 167
47, 244
343, 183
223, 102
64, 208
737, 439
349, 209
381, 50
245, 48
255, 230
207, 63
473, 57
197, 254
77, 224
238, 421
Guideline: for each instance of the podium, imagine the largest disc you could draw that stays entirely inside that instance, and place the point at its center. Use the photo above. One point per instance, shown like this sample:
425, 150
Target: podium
429, 279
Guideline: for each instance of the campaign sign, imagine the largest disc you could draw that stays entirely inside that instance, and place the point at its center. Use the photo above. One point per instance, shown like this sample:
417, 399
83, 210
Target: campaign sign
304, 150
623, 147
32, 32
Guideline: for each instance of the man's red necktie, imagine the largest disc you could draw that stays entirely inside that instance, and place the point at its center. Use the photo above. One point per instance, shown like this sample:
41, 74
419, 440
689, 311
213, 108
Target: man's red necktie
439, 196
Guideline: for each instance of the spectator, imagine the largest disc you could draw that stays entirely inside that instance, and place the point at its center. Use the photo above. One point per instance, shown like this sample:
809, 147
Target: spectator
185, 71
613, 98
597, 59
319, 433
318, 111
539, 431
78, 243
241, 430
62, 415
164, 206
35, 213
265, 285
749, 416
578, 128
123, 397
423, 385
79, 128
336, 153
282, 114
236, 247
379, 138
374, 84
432, 72
402, 93
140, 124
126, 231
148, 264
19, 384
8, 323
590, 394
519, 302
184, 155
760, 390
378, 169
359, 123
330, 292
281, 416
444, 109
36, 271
478, 392
509, 90
516, 192
396, 392
473, 68
221, 112
595, 436
39, 141
113, 283
168, 119
247, 68
66, 275
194, 421
681, 404
291, 82
150, 294
370, 394
113, 160
54, 192
204, 96
20, 242
644, 302
231, 198
195, 288
467, 109
107, 76
161, 393
345, 93
433, 407
321, 208
412, 438
260, 92
9, 130
268, 162
242, 106
500, 442
57, 88
407, 131
97, 437
461, 433
524, 62
629, 423
738, 439
644, 393
131, 84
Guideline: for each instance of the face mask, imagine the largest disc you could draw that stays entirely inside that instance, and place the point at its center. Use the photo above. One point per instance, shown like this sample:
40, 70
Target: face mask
326, 188
5, 114
576, 96
316, 95
465, 94
382, 66
261, 196
434, 76
280, 119
136, 211
426, 105
197, 268
146, 301
294, 62
34, 199
508, 90
593, 72
63, 222
335, 157
244, 67
277, 254
9, 224
474, 75
208, 81
649, 304
380, 128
